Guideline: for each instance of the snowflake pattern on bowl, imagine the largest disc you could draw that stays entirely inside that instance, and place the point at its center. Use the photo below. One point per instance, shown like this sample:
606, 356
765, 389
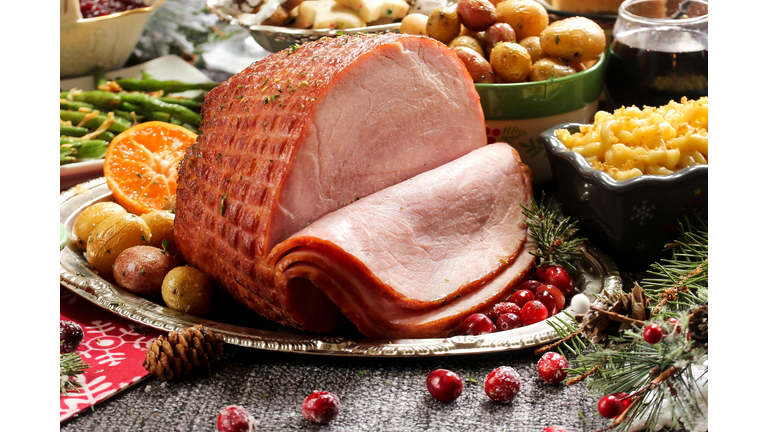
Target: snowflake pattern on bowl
114, 348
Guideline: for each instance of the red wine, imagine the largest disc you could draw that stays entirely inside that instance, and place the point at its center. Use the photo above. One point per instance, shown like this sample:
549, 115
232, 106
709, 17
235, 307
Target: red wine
653, 66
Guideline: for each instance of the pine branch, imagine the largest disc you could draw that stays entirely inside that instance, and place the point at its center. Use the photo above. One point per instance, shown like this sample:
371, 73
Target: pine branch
70, 365
557, 245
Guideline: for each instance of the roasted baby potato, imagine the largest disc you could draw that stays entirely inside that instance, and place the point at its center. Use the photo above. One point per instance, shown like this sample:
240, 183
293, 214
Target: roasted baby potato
573, 39
111, 237
510, 62
160, 223
443, 24
499, 32
533, 45
467, 42
415, 24
141, 269
527, 17
90, 218
476, 15
478, 67
187, 289
548, 67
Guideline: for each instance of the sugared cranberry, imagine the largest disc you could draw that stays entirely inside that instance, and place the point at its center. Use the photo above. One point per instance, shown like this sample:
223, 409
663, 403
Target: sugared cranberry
444, 385
94, 8
555, 429
70, 336
235, 418
503, 308
552, 367
556, 293
540, 272
531, 285
548, 300
509, 321
533, 311
521, 297
674, 323
609, 406
653, 333
502, 384
477, 324
321, 407
560, 278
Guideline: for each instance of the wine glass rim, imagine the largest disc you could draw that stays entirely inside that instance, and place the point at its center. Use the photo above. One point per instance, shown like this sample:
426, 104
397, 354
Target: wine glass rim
680, 21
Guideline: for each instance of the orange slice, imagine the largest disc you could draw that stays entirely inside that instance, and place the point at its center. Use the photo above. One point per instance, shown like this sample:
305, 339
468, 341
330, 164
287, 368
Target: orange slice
141, 165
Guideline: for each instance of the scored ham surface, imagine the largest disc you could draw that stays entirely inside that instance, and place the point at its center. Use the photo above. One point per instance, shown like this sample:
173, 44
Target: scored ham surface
350, 177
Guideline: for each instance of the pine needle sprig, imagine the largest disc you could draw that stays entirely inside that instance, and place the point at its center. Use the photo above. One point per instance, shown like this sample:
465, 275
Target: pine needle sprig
556, 241
70, 366
570, 336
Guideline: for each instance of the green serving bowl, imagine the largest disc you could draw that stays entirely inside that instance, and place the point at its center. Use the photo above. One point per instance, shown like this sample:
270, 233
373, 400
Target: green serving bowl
518, 113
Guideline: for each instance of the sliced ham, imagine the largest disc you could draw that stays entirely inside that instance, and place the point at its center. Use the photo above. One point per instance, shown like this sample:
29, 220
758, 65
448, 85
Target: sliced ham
286, 200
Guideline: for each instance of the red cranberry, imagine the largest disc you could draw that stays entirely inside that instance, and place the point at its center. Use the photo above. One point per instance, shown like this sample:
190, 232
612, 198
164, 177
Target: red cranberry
533, 312
70, 336
548, 300
555, 429
625, 400
540, 272
556, 293
509, 321
531, 285
552, 367
674, 323
477, 324
321, 407
521, 297
560, 278
502, 384
653, 334
609, 406
503, 308
235, 418
444, 385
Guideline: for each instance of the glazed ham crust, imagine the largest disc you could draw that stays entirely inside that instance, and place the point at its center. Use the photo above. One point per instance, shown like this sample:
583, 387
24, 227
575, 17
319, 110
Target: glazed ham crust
302, 134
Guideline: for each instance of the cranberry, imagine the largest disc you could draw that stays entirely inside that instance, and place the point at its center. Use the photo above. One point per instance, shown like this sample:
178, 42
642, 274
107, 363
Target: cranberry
653, 334
94, 8
674, 323
531, 285
533, 312
540, 272
548, 300
503, 308
320, 407
560, 278
477, 324
556, 293
444, 385
502, 384
625, 400
509, 321
555, 429
552, 367
235, 418
521, 297
70, 336
609, 406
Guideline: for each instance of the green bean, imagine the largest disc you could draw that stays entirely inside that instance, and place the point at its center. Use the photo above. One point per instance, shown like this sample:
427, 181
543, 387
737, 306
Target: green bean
189, 103
74, 131
98, 97
79, 150
168, 86
146, 75
98, 77
118, 125
149, 103
75, 105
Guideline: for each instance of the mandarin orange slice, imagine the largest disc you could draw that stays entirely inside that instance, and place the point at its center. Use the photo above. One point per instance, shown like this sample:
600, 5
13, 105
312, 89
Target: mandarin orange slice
141, 165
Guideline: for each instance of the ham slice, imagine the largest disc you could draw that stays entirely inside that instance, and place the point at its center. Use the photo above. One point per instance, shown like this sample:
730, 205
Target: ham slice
290, 199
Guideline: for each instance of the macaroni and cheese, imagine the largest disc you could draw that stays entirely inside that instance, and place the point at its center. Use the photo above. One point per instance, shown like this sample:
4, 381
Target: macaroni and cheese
653, 140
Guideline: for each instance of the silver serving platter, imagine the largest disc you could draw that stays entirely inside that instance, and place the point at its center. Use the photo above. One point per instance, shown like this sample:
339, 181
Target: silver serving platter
274, 38
597, 273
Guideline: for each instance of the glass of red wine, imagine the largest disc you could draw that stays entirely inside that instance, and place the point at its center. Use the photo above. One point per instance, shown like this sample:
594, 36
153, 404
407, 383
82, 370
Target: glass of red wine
658, 53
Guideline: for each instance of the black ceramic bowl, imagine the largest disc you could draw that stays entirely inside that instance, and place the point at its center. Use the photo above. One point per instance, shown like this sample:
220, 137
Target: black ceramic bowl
632, 220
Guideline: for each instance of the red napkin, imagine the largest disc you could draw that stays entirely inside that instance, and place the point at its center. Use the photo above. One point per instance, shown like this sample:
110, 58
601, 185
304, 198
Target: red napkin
113, 346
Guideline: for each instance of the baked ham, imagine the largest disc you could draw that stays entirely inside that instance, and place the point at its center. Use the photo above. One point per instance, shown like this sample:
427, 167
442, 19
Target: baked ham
349, 178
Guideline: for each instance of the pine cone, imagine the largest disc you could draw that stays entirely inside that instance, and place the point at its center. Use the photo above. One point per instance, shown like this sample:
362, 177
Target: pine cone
176, 354
597, 326
698, 326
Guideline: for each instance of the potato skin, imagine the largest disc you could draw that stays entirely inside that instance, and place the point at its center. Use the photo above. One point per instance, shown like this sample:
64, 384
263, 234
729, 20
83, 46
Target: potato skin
476, 15
548, 67
443, 24
576, 39
187, 289
499, 32
415, 24
141, 269
90, 218
467, 42
510, 62
111, 237
478, 67
160, 223
533, 45
527, 17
